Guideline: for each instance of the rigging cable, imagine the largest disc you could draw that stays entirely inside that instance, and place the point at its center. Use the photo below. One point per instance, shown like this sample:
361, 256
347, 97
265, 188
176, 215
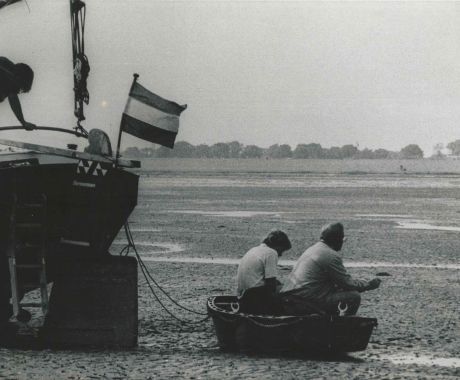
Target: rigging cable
131, 244
149, 278
80, 61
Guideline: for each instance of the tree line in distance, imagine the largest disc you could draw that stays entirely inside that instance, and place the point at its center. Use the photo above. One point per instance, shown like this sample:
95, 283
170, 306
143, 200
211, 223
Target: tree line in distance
235, 149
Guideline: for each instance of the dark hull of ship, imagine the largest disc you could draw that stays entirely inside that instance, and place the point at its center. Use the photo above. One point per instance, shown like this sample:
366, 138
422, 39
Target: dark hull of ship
87, 203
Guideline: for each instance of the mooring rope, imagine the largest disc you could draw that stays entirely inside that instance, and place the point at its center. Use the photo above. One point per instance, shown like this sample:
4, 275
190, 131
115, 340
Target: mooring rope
131, 242
148, 277
144, 269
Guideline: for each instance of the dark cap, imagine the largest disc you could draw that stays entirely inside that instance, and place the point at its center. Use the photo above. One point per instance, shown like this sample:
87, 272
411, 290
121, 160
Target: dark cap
334, 230
332, 234
278, 238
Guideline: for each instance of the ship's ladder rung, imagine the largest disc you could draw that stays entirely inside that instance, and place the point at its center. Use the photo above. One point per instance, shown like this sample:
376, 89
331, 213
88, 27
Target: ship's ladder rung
31, 304
27, 245
18, 242
29, 225
30, 205
30, 285
28, 266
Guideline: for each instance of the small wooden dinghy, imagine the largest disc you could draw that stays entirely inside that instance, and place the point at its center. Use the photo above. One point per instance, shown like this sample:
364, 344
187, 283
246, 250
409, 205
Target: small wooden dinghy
308, 333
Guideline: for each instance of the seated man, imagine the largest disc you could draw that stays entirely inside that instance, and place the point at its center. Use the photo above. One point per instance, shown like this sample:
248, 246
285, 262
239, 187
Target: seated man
319, 279
257, 272
15, 79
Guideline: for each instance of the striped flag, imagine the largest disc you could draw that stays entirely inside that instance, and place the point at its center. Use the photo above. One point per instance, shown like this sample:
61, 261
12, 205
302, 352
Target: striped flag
150, 117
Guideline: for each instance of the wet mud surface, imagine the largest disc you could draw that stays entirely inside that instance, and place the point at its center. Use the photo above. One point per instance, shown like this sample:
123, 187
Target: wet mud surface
417, 308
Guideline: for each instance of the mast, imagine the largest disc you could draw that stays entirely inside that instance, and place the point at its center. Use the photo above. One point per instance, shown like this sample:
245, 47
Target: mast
117, 155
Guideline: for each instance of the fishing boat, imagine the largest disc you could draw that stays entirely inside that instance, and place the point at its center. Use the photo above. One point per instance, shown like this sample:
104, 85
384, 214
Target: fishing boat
61, 209
312, 333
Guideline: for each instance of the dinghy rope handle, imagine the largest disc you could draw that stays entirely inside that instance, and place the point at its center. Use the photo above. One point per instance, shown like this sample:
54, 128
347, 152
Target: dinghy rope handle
341, 310
235, 307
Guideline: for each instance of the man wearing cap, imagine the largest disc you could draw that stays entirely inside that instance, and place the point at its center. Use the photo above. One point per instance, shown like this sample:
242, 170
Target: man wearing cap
319, 279
257, 272
15, 79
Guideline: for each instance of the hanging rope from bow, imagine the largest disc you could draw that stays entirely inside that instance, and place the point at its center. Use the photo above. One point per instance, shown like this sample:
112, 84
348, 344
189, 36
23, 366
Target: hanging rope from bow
80, 61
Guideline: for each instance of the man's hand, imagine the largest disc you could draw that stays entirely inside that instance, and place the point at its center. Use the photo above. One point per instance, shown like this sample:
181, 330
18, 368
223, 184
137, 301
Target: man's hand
374, 283
29, 126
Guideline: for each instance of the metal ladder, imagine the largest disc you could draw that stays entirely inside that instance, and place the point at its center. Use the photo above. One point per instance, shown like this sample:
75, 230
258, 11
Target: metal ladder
28, 236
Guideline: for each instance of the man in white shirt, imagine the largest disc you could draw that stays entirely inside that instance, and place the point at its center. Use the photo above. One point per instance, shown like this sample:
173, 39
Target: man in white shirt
257, 272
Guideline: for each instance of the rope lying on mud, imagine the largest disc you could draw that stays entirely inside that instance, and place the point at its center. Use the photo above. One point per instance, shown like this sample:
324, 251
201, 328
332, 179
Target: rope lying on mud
148, 277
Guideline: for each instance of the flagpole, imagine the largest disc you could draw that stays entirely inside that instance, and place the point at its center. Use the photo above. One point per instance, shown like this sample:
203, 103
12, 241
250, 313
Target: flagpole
135, 75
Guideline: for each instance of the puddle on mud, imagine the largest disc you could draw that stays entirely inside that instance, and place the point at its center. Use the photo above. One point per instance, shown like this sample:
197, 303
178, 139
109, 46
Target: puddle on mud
229, 261
140, 229
424, 360
164, 248
298, 180
414, 224
425, 226
192, 260
383, 216
232, 214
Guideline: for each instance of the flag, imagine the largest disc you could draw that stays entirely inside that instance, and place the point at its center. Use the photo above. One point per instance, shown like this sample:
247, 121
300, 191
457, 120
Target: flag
150, 117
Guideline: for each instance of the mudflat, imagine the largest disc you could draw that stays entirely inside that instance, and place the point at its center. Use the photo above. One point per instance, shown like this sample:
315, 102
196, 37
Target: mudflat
191, 227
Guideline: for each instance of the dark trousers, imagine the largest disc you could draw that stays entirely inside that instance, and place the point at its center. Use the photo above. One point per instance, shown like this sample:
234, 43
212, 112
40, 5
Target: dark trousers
260, 300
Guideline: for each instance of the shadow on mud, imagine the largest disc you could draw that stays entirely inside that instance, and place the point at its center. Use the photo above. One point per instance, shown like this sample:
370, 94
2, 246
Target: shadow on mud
338, 357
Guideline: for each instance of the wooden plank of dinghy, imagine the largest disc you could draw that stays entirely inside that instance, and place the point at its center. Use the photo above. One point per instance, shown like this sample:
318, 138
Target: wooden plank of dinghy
70, 153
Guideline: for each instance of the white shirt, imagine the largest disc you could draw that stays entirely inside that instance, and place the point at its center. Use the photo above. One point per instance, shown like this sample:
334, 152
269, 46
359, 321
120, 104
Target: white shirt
255, 266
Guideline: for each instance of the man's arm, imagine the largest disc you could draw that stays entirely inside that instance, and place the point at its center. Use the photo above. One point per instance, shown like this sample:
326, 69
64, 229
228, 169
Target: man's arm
343, 280
271, 272
17, 110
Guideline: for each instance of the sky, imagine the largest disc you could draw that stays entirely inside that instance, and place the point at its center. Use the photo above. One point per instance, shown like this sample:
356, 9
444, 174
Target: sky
372, 74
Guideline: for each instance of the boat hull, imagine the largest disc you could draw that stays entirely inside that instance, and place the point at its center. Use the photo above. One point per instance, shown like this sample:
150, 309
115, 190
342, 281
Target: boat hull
86, 204
309, 333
